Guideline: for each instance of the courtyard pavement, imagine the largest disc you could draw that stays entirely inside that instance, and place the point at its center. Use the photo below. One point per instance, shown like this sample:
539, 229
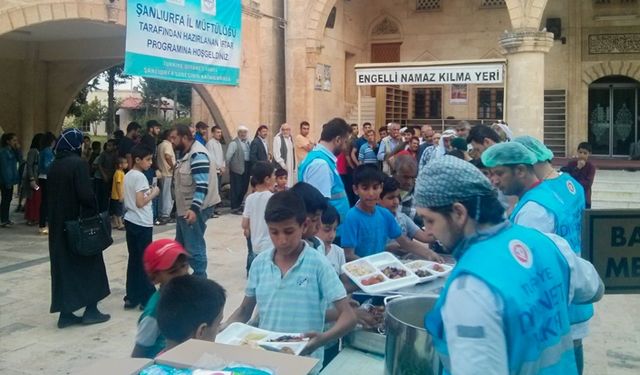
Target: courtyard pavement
30, 342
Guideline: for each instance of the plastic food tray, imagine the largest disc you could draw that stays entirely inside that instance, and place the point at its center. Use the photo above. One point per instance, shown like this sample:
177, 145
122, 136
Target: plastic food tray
236, 334
428, 265
417, 265
373, 266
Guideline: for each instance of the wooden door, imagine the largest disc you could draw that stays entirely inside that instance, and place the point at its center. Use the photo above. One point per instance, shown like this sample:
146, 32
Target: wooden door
384, 53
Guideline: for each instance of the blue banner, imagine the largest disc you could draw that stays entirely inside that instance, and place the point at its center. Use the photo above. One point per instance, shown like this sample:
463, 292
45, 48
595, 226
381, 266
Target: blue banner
195, 41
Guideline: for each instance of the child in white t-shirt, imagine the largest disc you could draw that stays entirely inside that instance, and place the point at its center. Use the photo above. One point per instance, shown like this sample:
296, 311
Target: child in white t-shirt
335, 254
138, 222
253, 223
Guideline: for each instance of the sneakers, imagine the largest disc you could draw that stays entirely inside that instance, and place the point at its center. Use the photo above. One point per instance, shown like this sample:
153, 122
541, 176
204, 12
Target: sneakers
43, 231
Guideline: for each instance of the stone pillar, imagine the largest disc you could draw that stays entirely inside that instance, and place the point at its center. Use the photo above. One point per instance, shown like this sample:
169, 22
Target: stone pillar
525, 51
34, 100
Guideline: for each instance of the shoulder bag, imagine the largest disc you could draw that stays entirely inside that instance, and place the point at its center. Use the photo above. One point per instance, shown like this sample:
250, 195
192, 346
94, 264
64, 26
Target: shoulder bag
89, 236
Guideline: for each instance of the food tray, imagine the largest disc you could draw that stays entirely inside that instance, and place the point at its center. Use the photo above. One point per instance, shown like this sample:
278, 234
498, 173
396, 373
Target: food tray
428, 265
245, 335
418, 266
367, 268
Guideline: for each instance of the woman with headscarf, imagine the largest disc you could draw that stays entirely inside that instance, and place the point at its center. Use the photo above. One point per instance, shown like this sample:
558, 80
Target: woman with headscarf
76, 281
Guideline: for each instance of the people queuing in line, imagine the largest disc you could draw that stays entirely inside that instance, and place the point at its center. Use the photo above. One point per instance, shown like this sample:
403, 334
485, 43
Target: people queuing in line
469, 181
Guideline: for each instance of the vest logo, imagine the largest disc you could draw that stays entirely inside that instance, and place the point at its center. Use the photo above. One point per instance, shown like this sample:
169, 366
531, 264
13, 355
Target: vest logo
521, 253
572, 189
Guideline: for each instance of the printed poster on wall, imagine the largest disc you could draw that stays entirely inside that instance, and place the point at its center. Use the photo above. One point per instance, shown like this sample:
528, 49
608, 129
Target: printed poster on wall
184, 40
458, 94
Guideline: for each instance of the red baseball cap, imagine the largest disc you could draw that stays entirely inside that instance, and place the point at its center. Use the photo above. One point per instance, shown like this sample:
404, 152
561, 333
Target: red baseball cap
161, 254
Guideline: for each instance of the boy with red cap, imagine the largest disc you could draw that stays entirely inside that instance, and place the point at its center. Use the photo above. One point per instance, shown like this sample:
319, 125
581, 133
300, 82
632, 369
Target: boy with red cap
163, 260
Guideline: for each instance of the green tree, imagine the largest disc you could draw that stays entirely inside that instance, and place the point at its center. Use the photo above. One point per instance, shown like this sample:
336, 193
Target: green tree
153, 90
113, 76
91, 113
81, 98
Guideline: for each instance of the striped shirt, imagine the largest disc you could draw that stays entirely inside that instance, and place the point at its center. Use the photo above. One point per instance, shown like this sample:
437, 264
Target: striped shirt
367, 155
200, 175
297, 301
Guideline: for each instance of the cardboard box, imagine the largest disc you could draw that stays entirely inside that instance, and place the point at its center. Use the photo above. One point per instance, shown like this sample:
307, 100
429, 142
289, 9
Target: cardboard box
198, 354
126, 366
194, 352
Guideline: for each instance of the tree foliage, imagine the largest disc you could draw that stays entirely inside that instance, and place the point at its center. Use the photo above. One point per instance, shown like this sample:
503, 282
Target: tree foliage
81, 98
153, 90
113, 76
91, 113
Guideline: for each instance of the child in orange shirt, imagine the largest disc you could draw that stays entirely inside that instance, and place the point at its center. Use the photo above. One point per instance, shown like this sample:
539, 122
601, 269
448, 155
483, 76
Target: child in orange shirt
117, 194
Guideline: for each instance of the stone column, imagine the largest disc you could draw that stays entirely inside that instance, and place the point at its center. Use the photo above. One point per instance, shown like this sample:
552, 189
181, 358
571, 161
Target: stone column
525, 51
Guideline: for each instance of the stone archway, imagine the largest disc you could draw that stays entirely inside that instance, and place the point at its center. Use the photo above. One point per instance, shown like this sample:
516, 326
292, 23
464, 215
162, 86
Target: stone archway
49, 91
591, 72
611, 68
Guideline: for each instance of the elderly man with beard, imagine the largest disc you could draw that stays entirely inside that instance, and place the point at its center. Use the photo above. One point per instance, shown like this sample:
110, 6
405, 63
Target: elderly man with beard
405, 172
196, 191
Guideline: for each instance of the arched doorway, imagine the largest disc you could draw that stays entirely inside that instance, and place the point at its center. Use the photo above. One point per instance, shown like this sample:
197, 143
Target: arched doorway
614, 115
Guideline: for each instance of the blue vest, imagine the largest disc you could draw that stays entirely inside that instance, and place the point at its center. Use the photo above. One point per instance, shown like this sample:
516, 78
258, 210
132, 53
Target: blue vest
533, 282
338, 194
564, 197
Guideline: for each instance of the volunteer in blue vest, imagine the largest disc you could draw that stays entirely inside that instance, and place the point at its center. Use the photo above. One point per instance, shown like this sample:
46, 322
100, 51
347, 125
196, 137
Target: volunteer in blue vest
319, 167
517, 282
548, 202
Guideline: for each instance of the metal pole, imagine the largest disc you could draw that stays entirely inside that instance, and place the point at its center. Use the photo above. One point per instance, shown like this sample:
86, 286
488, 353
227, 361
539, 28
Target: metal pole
359, 106
505, 91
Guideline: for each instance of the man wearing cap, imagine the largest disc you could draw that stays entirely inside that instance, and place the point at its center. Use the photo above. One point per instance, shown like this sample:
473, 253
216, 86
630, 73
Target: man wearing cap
237, 157
196, 190
564, 198
284, 152
163, 260
201, 132
517, 281
437, 150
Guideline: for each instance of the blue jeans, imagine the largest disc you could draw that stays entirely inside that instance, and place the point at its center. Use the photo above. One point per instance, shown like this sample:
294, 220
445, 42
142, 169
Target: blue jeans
191, 236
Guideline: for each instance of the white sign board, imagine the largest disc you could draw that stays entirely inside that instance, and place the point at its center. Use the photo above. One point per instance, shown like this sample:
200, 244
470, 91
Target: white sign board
425, 75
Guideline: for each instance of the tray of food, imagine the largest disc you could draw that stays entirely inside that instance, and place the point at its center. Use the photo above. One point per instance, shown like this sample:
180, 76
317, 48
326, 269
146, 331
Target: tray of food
245, 335
379, 273
434, 268
423, 270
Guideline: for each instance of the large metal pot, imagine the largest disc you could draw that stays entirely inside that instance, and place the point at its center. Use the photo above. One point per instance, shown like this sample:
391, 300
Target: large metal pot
409, 348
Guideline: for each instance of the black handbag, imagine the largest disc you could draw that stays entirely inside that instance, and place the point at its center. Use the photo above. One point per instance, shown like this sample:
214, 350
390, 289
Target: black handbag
89, 236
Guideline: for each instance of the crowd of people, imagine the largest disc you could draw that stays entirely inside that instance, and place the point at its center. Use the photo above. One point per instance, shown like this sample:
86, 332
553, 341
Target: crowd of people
492, 200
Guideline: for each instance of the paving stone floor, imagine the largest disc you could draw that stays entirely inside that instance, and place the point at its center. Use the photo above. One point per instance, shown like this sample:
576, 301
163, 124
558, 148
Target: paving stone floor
30, 342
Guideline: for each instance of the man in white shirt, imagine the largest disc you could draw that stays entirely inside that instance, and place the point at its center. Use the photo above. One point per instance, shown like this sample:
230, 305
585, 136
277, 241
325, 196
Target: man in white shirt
217, 155
284, 153
389, 146
166, 161
517, 281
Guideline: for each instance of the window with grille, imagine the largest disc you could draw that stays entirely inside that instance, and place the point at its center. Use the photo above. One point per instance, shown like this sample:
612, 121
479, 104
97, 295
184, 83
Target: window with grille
493, 4
427, 5
85, 127
490, 103
427, 103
